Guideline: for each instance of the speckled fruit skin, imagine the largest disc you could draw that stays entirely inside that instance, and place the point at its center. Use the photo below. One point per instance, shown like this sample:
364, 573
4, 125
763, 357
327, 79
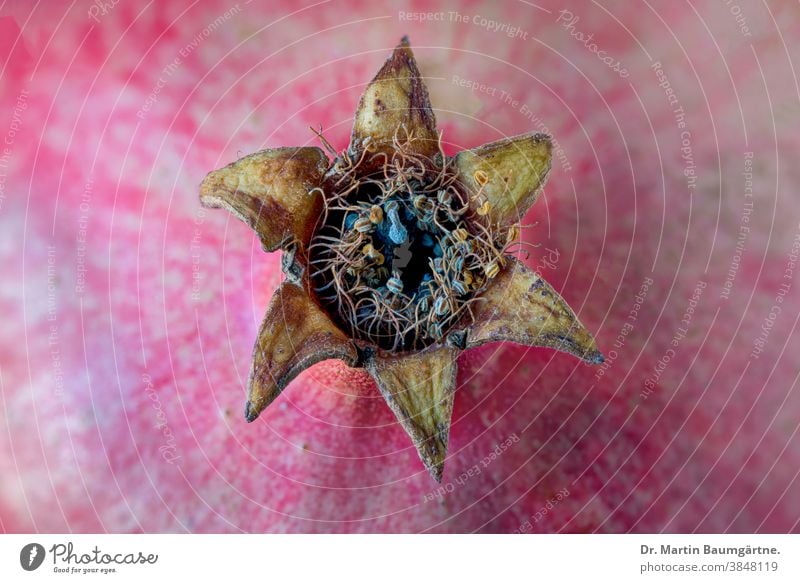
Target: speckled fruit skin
123, 358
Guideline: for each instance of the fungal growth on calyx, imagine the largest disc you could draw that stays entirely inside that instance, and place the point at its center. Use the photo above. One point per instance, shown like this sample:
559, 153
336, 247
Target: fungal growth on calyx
396, 255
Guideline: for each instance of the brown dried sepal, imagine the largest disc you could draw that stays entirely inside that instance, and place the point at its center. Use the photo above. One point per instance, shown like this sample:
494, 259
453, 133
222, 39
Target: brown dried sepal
395, 102
419, 388
509, 174
520, 306
294, 335
270, 191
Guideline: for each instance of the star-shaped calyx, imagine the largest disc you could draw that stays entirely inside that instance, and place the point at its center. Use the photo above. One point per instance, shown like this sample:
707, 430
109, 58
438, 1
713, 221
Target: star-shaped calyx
396, 255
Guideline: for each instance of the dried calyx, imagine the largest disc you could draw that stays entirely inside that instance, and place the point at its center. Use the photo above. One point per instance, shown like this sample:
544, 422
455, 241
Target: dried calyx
401, 253
396, 256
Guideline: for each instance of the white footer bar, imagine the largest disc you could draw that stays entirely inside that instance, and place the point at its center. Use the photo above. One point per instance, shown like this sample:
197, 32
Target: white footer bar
355, 558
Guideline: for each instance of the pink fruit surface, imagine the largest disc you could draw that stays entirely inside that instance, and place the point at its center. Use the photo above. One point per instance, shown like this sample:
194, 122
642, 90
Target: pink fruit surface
669, 223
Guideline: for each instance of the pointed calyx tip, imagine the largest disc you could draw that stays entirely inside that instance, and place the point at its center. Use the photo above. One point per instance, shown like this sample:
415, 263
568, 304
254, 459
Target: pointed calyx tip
250, 412
419, 388
436, 471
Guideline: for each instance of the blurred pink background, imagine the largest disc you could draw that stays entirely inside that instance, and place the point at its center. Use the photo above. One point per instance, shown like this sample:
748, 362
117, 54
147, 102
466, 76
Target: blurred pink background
669, 223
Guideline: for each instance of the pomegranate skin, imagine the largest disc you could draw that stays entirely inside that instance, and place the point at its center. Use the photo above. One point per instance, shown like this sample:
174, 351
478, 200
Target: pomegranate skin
667, 224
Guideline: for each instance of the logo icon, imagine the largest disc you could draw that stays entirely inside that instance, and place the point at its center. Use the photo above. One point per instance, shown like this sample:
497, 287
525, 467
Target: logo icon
31, 556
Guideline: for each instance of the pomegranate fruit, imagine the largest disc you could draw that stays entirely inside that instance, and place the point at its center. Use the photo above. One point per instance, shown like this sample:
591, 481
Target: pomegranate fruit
131, 311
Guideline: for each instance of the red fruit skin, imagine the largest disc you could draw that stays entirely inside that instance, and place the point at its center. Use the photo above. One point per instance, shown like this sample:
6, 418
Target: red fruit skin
124, 359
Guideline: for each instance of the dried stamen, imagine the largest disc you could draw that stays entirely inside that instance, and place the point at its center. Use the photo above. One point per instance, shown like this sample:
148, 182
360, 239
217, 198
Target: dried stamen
399, 257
